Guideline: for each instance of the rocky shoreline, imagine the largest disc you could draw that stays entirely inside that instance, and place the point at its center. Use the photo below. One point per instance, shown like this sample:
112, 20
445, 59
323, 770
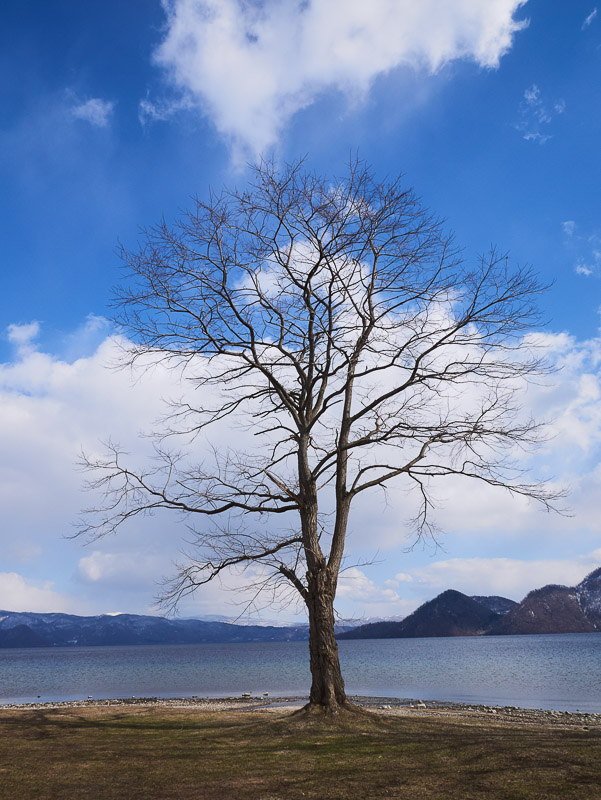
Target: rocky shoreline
383, 706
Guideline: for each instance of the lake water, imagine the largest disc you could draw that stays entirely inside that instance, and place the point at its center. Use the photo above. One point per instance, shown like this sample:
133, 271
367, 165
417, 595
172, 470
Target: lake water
561, 672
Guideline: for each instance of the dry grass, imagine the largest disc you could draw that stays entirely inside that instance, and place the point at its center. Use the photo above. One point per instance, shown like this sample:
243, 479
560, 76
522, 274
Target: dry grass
151, 753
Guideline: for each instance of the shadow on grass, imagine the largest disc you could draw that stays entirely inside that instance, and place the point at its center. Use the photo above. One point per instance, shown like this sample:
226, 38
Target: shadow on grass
180, 753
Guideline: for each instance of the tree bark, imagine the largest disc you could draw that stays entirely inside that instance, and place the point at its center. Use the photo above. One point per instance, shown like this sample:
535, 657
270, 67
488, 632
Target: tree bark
327, 686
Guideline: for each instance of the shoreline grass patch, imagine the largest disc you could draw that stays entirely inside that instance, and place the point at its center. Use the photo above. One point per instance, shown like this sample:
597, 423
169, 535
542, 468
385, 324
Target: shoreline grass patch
151, 753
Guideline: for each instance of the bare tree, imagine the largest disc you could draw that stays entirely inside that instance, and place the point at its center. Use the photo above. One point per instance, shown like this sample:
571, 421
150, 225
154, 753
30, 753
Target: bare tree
337, 322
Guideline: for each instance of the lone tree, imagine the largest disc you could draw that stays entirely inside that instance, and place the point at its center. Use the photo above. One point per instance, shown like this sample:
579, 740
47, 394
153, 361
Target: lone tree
336, 322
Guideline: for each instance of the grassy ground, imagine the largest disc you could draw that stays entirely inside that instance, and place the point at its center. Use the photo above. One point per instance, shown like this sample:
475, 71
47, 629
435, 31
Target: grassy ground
152, 753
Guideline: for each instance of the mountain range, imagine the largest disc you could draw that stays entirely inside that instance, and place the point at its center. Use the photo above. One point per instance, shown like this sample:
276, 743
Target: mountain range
18, 629
28, 629
551, 609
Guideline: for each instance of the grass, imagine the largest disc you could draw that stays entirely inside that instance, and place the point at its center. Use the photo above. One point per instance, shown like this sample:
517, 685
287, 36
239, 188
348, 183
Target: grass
152, 753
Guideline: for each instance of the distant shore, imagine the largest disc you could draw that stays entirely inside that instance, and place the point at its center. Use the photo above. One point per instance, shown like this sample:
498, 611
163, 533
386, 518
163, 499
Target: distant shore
379, 705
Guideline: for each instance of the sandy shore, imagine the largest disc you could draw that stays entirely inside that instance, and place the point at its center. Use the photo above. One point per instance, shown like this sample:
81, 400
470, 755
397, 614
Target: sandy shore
386, 706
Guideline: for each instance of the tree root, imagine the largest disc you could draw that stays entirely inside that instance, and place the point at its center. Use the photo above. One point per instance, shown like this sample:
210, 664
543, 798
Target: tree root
330, 711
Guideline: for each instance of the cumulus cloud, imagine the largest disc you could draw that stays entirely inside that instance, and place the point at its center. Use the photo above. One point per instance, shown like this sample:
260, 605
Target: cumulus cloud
251, 66
53, 408
96, 111
480, 519
355, 583
360, 597
508, 577
18, 594
23, 336
536, 114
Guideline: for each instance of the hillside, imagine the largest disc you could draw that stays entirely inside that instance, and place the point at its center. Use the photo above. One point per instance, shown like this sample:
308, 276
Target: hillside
589, 597
500, 605
551, 609
450, 614
51, 630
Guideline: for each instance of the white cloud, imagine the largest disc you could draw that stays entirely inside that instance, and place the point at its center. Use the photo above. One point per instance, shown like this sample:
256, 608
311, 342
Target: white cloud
133, 570
481, 519
23, 336
508, 577
252, 66
584, 249
532, 95
403, 577
354, 583
95, 111
52, 408
536, 137
359, 597
160, 111
17, 594
534, 114
86, 338
569, 226
589, 19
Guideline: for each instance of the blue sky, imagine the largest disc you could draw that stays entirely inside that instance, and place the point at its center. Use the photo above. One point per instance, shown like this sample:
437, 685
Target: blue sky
115, 114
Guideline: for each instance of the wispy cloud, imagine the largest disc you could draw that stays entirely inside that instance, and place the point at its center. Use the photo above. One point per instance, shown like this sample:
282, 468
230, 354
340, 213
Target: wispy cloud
535, 115
584, 249
161, 110
587, 22
251, 66
95, 111
569, 226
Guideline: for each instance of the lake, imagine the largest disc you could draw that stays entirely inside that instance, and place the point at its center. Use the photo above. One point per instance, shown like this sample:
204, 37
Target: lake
560, 672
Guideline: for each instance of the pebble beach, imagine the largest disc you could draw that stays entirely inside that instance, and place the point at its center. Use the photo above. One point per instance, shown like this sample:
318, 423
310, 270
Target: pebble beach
383, 706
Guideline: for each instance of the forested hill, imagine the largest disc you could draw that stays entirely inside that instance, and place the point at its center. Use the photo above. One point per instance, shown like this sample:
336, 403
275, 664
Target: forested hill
449, 614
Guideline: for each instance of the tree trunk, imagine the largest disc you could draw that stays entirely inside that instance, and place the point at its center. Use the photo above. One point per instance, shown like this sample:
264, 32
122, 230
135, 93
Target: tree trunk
327, 686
